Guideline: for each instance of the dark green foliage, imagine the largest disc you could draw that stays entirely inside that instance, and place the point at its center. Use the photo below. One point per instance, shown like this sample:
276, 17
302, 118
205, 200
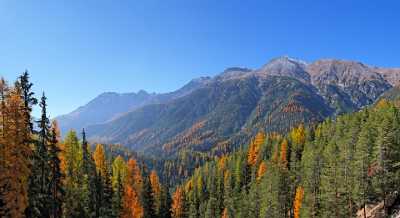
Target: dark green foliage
117, 198
148, 200
28, 96
224, 110
56, 176
39, 183
342, 165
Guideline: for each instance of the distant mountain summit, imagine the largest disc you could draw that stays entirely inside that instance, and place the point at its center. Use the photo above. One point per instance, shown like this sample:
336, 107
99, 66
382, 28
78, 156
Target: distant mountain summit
347, 85
110, 105
221, 112
286, 66
103, 108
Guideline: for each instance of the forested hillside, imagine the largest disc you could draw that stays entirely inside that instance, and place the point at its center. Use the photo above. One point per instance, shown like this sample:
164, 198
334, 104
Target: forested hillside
331, 170
217, 114
42, 176
337, 168
214, 114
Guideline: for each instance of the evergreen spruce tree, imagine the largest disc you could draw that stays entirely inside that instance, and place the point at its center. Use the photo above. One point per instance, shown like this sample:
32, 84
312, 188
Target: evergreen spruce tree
212, 203
117, 197
386, 155
362, 189
228, 202
147, 199
312, 166
29, 101
193, 204
106, 210
39, 183
166, 203
254, 201
28, 97
270, 205
56, 176
348, 142
89, 183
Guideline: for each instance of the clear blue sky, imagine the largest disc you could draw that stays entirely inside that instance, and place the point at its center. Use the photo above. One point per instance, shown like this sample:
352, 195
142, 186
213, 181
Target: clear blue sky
76, 49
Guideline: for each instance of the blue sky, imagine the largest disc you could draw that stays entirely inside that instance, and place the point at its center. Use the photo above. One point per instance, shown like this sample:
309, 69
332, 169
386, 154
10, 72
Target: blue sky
78, 49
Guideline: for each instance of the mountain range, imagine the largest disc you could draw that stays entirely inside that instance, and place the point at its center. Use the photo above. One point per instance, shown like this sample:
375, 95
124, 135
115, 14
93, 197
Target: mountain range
218, 113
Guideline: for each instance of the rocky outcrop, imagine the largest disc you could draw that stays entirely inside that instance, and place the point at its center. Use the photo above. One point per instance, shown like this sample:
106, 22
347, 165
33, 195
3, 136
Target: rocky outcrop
286, 66
392, 75
347, 85
378, 210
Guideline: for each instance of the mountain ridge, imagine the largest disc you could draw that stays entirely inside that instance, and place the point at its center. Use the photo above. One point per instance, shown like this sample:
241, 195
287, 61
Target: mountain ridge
274, 97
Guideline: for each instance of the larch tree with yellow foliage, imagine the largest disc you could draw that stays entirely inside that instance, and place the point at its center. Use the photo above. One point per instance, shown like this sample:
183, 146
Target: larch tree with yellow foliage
261, 170
284, 153
119, 171
100, 160
15, 153
132, 206
155, 192
178, 204
297, 139
298, 201
255, 147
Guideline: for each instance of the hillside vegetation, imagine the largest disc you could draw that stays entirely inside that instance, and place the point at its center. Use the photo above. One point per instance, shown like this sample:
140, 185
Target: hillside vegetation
341, 167
331, 170
219, 114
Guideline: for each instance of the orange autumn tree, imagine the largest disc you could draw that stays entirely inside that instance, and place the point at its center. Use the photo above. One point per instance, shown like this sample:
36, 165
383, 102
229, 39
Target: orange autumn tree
100, 160
225, 213
298, 201
177, 207
222, 162
134, 169
131, 206
15, 153
155, 191
261, 170
254, 149
283, 153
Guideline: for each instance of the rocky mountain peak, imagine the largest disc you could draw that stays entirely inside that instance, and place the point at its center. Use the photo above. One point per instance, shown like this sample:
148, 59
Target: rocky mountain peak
392, 75
233, 73
286, 66
341, 72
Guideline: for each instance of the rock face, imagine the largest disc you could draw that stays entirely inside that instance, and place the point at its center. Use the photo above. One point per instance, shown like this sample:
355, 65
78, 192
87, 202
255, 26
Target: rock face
347, 85
208, 113
285, 66
392, 75
378, 211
